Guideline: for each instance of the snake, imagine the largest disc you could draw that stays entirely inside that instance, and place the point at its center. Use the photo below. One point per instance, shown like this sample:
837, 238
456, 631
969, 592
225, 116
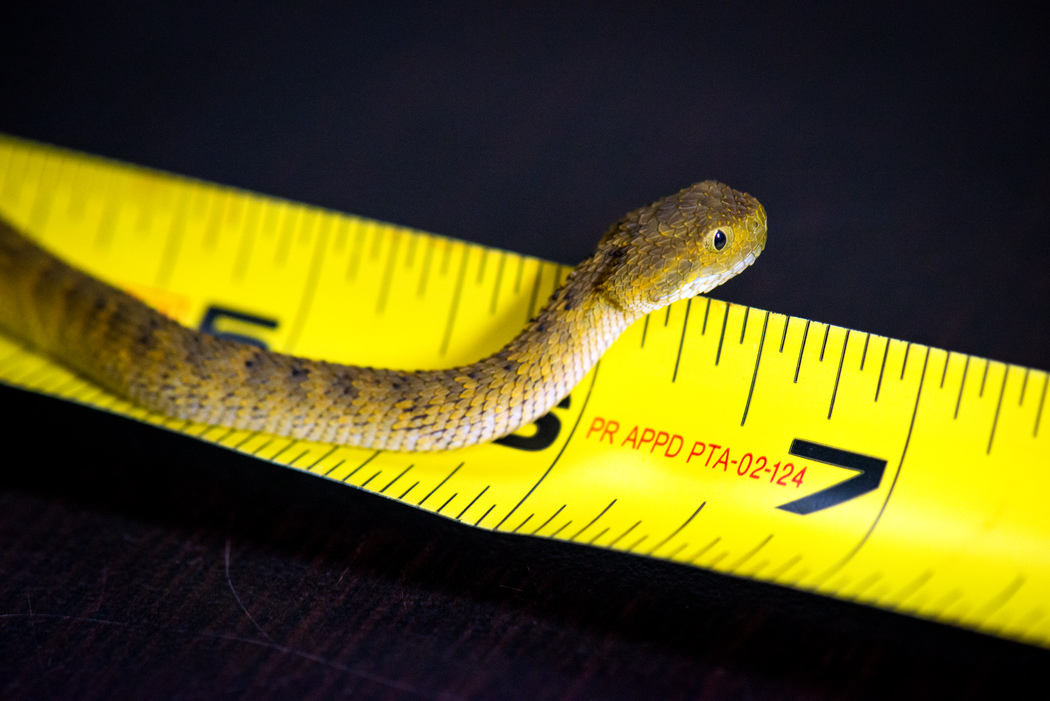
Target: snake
677, 247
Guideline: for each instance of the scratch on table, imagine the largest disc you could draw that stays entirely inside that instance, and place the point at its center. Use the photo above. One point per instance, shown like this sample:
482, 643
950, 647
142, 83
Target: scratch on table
98, 602
270, 645
235, 596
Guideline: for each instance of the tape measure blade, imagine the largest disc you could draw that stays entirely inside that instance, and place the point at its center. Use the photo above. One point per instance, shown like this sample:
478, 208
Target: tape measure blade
712, 434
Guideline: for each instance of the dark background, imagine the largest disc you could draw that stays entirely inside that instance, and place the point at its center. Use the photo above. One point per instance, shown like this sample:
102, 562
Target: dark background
902, 156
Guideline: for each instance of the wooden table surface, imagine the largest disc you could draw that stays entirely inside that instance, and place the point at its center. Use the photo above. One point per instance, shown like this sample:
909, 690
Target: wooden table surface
902, 156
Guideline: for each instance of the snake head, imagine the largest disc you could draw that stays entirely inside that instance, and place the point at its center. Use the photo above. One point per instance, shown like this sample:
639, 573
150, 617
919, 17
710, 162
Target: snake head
680, 246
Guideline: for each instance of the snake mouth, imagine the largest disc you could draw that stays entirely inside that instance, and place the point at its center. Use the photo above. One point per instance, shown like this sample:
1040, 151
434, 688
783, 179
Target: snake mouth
706, 284
744, 262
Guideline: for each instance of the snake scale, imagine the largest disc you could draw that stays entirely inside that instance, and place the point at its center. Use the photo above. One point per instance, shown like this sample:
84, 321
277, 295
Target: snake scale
677, 247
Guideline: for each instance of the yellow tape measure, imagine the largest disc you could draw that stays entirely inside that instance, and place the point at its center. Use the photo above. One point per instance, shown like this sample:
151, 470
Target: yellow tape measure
712, 434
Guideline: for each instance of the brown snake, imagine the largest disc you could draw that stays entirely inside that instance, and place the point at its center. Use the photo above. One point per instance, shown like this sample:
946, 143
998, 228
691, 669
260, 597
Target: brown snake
677, 247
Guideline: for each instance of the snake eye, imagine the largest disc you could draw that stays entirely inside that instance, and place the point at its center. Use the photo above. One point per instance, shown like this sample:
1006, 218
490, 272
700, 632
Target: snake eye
719, 240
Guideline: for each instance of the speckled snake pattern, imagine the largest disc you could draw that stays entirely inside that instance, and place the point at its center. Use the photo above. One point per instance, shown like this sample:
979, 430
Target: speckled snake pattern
677, 247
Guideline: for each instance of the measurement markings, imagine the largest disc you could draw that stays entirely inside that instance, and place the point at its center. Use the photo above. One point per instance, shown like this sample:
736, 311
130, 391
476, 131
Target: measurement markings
55, 382
13, 355
645, 329
264, 445
671, 555
984, 378
281, 451
896, 475
293, 220
82, 180
824, 343
750, 553
173, 244
360, 242
316, 462
998, 406
79, 183
912, 587
377, 240
244, 250
499, 281
535, 292
391, 482
593, 521
446, 259
11, 159
41, 205
447, 501
1039, 411
718, 558
388, 273
64, 388
776, 574
962, 384
600, 534
410, 254
838, 375
636, 543
865, 584
14, 186
667, 316
946, 602
521, 273
754, 374
93, 394
541, 526
218, 200
618, 537
333, 468
907, 350
681, 341
784, 335
882, 369
341, 236
864, 355
297, 458
365, 483
562, 528
481, 266
247, 438
108, 400
472, 502
31, 365
107, 224
677, 530
523, 523
583, 408
743, 327
707, 310
944, 372
997, 601
1024, 384
405, 493
424, 274
801, 350
368, 460
721, 338
224, 436
145, 201
487, 512
440, 484
455, 300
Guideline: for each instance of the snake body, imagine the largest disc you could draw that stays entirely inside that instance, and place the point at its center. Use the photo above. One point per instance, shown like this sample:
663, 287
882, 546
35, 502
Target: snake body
675, 248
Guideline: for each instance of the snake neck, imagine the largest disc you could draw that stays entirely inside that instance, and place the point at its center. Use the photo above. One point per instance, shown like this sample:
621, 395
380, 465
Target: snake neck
562, 343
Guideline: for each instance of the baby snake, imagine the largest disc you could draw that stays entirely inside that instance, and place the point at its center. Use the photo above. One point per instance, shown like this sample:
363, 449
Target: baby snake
677, 247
